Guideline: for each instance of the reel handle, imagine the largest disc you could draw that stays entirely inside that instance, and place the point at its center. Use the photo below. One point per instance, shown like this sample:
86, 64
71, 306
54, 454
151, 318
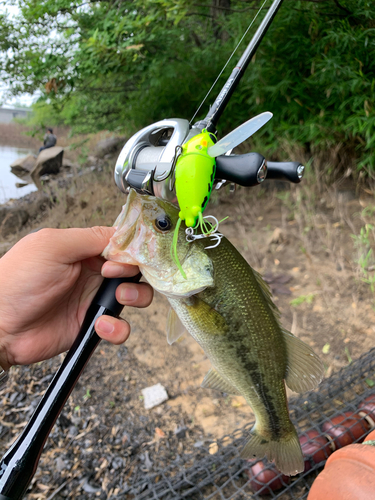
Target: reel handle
291, 171
252, 169
18, 465
246, 170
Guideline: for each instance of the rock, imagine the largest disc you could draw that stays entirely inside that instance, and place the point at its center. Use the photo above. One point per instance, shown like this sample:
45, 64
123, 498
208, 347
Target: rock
148, 462
117, 462
88, 488
154, 396
11, 220
109, 146
73, 431
15, 213
60, 464
180, 432
49, 161
22, 167
198, 444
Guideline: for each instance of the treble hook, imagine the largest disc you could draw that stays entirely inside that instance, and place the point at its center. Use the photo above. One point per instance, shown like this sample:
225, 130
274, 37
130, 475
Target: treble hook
213, 234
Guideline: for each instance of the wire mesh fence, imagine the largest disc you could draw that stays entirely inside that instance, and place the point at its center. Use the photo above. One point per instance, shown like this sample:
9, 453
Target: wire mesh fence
340, 412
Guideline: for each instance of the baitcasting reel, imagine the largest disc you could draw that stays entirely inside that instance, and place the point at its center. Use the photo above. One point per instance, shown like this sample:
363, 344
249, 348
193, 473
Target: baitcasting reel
147, 162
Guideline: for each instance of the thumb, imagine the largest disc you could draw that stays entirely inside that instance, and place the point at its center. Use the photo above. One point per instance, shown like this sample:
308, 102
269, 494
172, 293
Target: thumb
72, 245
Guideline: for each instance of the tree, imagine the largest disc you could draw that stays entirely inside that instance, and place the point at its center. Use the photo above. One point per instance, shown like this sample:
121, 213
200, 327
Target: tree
123, 64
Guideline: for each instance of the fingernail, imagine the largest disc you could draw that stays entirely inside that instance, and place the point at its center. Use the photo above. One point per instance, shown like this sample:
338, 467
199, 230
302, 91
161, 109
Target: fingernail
129, 294
104, 326
113, 271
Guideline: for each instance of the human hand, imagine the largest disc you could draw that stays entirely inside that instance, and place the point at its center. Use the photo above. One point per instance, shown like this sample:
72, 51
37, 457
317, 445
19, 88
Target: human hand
48, 280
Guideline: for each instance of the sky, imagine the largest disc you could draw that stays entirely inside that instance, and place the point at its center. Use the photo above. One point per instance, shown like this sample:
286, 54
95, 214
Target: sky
25, 99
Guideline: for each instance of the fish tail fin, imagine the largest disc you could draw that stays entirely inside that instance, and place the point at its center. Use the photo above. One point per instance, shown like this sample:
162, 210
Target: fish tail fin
286, 451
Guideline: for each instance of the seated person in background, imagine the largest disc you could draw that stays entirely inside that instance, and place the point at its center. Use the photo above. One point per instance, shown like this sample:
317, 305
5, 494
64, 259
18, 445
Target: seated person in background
49, 140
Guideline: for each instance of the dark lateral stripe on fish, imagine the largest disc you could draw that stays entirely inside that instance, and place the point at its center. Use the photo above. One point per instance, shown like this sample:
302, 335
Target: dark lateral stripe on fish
252, 368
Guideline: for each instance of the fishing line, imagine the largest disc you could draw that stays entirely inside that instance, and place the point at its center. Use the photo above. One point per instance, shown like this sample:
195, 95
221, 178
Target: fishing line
228, 61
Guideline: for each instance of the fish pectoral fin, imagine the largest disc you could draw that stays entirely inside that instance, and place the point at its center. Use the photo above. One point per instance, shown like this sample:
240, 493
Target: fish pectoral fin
213, 380
304, 369
175, 329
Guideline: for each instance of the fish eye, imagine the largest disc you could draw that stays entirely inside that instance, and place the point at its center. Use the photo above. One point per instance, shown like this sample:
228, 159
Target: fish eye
163, 223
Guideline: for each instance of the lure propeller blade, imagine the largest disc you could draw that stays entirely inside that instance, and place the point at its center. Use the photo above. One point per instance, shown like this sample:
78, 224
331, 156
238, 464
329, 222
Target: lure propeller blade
239, 135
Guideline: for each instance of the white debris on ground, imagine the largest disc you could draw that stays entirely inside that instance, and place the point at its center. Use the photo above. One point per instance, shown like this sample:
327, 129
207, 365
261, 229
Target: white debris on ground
154, 396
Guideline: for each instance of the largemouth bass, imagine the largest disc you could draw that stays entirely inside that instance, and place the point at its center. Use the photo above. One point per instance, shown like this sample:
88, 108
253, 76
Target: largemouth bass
227, 308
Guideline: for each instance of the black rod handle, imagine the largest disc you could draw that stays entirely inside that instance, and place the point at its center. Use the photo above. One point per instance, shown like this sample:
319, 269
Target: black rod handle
19, 464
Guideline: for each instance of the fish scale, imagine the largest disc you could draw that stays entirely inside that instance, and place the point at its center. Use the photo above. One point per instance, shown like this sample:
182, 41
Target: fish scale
227, 308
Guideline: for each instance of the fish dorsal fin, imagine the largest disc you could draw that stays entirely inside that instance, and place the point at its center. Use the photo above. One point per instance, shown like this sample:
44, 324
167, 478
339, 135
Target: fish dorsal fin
304, 370
175, 329
213, 380
266, 293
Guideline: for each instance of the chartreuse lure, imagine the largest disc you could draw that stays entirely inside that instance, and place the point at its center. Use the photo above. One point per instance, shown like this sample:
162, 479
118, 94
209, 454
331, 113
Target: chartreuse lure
194, 178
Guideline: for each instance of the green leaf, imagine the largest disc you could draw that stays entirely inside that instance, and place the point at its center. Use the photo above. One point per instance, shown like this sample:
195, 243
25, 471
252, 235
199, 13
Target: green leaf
326, 348
302, 299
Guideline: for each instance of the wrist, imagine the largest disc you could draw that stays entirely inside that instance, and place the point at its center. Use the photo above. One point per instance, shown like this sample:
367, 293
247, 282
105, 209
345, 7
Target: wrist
4, 361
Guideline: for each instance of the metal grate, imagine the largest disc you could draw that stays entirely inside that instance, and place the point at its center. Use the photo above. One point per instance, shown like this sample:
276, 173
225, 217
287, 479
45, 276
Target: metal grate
224, 475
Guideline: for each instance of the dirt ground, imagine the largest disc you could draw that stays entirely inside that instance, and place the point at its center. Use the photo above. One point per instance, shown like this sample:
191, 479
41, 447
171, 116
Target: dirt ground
298, 238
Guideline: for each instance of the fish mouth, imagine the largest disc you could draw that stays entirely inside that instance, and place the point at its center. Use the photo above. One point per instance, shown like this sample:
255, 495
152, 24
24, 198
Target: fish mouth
126, 227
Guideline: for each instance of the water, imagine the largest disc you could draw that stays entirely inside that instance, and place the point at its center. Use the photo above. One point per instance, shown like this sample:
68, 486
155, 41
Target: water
7, 180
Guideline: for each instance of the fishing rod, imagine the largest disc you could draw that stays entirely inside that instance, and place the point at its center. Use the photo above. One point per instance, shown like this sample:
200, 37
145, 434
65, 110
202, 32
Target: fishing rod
150, 162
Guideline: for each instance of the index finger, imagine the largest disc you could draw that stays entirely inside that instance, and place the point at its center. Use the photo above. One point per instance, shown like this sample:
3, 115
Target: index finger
75, 244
